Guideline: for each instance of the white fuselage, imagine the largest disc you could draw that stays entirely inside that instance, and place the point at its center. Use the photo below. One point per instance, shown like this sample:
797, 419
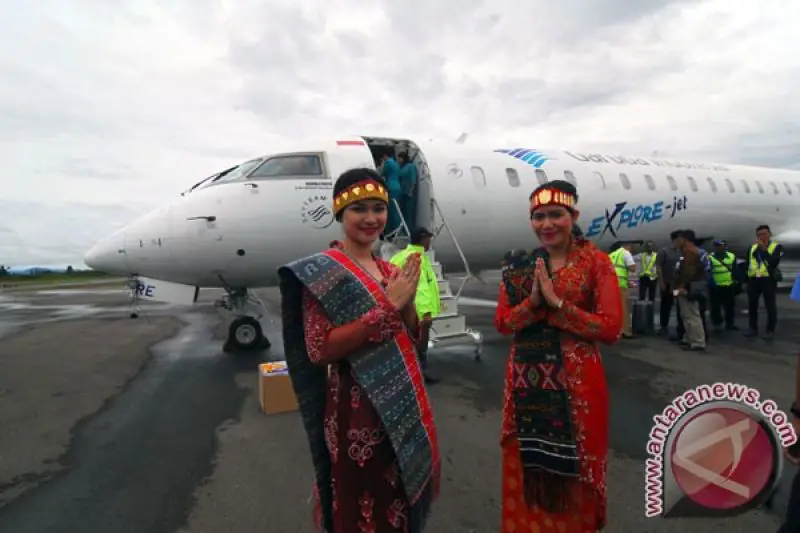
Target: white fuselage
236, 232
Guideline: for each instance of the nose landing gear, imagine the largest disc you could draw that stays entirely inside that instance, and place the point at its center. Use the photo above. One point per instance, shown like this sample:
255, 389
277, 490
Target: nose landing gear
245, 333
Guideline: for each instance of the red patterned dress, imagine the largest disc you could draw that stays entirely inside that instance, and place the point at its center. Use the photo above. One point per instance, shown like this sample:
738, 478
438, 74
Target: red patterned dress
368, 495
591, 312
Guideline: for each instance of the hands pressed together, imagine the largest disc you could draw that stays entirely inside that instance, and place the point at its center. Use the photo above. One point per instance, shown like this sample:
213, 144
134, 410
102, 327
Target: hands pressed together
402, 286
543, 290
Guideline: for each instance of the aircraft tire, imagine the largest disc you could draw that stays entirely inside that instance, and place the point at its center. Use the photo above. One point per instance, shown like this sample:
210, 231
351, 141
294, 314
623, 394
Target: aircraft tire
245, 334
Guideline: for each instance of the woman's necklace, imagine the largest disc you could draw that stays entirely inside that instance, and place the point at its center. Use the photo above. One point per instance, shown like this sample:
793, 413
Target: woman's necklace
381, 281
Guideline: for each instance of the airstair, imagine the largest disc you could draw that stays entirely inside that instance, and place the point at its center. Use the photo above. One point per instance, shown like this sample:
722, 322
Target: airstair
450, 327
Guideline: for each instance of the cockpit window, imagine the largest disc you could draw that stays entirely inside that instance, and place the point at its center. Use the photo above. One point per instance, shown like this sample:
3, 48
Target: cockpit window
289, 165
237, 172
205, 181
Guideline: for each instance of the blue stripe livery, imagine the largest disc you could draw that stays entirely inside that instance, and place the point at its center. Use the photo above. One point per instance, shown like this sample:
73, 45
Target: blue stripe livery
531, 157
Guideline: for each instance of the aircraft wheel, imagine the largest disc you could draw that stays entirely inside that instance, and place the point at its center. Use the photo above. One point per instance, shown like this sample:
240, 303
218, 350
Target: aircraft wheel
245, 333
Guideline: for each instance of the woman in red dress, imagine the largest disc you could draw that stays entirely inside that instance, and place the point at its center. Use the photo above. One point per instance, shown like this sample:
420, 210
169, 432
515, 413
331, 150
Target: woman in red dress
349, 337
558, 303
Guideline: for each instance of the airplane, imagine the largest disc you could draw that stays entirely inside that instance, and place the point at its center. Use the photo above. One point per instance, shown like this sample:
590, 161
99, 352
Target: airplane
234, 229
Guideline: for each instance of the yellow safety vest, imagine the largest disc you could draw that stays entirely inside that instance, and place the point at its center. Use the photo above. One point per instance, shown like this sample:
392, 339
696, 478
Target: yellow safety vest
722, 271
649, 266
618, 258
428, 299
754, 269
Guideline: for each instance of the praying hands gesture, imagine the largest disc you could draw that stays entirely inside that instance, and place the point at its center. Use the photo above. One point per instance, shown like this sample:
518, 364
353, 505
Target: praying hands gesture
543, 287
402, 286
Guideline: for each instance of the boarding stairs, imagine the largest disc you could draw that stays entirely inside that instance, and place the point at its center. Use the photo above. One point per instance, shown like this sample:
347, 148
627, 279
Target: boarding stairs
450, 327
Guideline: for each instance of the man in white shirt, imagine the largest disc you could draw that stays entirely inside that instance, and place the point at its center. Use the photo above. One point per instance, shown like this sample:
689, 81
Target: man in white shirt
630, 262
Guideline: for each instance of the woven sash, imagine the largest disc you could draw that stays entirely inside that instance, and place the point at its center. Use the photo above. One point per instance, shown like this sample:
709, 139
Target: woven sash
542, 409
388, 374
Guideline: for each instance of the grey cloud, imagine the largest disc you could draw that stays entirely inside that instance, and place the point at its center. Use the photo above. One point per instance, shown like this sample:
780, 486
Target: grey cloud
420, 21
597, 75
773, 144
278, 40
552, 98
776, 145
355, 44
276, 60
469, 88
416, 77
580, 96
85, 168
40, 233
44, 110
578, 16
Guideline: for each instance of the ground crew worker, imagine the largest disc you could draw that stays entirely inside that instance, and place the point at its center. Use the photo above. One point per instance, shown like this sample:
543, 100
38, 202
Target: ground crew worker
723, 291
763, 276
624, 265
667, 264
649, 275
427, 300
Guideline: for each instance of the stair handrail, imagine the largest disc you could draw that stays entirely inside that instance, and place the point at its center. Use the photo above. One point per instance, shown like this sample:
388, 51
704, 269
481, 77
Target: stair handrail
402, 225
467, 270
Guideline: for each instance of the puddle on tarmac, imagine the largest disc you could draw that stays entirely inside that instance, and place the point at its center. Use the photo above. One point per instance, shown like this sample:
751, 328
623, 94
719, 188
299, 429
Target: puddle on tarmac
81, 292
18, 313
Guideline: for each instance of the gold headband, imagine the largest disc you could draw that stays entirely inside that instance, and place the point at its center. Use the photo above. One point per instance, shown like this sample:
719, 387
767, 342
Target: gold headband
363, 190
553, 197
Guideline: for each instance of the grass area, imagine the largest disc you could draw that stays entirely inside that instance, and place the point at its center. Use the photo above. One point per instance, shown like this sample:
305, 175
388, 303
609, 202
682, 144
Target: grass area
56, 278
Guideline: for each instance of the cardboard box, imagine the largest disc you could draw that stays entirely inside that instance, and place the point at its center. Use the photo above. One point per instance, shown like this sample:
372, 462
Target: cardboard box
275, 391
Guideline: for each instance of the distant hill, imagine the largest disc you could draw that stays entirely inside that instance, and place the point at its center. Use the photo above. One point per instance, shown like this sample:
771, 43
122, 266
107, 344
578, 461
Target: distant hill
38, 270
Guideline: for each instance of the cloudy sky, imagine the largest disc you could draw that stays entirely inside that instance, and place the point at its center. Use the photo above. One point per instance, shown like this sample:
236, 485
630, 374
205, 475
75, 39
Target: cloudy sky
110, 108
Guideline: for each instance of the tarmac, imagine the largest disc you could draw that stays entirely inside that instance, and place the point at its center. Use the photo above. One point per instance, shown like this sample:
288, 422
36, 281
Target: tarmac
146, 426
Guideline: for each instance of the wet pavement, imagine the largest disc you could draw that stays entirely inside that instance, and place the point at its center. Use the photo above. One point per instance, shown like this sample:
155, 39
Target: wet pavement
145, 426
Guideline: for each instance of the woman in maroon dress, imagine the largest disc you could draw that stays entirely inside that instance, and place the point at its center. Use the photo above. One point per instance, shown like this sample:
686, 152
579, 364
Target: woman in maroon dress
349, 335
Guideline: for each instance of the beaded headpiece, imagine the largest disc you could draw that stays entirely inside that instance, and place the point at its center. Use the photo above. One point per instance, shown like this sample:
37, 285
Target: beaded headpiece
363, 190
553, 196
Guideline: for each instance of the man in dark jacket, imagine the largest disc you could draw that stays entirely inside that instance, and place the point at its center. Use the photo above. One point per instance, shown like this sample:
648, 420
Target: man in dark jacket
666, 264
690, 286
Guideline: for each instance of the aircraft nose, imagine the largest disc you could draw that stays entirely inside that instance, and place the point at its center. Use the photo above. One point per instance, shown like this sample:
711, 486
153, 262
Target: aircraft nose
107, 256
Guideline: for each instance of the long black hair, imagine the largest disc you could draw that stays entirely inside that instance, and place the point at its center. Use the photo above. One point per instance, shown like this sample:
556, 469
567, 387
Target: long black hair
350, 177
